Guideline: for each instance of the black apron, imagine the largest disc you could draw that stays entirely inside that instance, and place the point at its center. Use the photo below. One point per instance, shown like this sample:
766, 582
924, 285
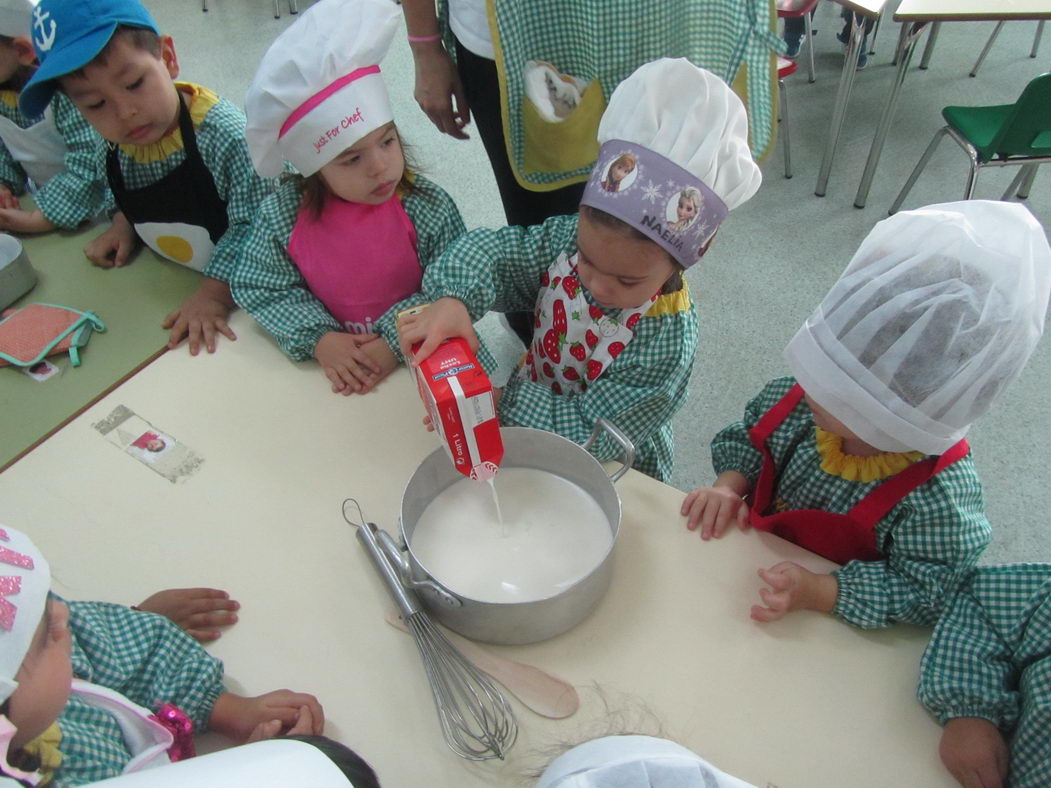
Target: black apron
181, 216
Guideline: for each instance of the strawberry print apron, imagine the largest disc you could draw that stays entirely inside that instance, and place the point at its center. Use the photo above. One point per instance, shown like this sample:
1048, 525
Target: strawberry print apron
573, 341
838, 537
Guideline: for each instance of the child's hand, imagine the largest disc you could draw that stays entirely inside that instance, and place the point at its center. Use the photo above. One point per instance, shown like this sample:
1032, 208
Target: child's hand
346, 364
7, 198
380, 353
974, 752
201, 317
112, 248
714, 509
19, 221
267, 730
239, 718
197, 610
446, 317
794, 588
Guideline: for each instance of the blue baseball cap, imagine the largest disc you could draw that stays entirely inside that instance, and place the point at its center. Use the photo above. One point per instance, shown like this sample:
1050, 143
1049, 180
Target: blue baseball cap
67, 35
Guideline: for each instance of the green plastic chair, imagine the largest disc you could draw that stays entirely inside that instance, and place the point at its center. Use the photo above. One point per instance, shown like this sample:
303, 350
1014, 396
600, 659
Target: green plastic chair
1006, 135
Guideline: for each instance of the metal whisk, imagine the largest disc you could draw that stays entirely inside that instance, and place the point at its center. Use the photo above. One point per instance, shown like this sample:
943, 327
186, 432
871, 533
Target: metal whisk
477, 721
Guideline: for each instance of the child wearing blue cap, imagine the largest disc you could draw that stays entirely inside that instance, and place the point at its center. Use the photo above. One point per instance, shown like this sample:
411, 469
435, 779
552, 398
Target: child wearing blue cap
177, 165
54, 154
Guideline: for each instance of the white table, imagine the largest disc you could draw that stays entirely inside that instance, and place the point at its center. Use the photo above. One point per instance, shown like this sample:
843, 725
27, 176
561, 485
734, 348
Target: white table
916, 15
803, 703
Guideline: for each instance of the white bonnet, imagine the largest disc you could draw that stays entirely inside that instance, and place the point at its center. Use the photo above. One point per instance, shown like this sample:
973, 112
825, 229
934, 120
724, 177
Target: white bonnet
619, 761
25, 580
15, 16
318, 89
937, 313
689, 115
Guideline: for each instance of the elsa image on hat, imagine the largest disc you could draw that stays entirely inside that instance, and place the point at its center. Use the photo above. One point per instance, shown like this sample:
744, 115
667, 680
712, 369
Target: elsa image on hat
614, 324
151, 689
861, 455
341, 247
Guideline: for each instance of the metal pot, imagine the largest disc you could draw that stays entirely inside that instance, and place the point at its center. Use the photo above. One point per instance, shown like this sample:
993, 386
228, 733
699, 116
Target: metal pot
513, 623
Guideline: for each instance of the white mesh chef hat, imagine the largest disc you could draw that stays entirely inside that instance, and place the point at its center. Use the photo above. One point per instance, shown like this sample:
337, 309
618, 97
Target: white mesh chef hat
318, 88
25, 580
15, 16
619, 761
937, 313
689, 115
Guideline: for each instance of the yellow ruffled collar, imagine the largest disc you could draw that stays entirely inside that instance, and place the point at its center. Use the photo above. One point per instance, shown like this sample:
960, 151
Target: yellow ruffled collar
201, 101
860, 469
45, 747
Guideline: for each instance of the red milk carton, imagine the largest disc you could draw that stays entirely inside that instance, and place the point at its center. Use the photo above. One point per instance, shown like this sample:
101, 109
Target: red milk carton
459, 399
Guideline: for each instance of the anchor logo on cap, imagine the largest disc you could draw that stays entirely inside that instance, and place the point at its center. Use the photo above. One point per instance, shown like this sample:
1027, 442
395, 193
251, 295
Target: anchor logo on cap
46, 39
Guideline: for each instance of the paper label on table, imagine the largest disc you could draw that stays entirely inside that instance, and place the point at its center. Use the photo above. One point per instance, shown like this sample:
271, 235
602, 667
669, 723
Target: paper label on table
41, 371
151, 446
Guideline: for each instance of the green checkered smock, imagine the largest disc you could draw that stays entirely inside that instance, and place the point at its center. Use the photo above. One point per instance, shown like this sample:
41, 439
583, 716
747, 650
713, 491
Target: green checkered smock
146, 658
221, 141
990, 657
933, 534
78, 193
608, 39
641, 389
269, 286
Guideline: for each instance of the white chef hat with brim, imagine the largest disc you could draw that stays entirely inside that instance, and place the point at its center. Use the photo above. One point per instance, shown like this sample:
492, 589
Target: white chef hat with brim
935, 315
319, 89
684, 128
15, 17
268, 762
617, 761
25, 580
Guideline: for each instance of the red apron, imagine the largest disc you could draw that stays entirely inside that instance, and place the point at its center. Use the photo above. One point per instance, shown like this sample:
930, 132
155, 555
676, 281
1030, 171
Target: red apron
838, 537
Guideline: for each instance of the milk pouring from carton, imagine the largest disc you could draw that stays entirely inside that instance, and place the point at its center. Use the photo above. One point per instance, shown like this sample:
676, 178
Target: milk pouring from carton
459, 400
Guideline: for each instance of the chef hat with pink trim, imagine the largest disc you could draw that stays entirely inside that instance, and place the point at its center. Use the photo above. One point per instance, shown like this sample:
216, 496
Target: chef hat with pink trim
318, 89
25, 580
617, 761
934, 317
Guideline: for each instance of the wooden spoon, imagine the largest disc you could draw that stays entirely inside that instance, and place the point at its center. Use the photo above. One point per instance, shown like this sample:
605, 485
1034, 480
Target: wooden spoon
538, 691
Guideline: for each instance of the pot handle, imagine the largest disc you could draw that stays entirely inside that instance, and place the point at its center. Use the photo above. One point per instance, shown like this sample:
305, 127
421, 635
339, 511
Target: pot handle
396, 558
620, 438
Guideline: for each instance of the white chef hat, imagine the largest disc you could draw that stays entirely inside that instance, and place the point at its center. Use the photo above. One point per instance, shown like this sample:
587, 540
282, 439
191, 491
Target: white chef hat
262, 763
618, 761
937, 313
15, 16
697, 128
318, 89
25, 580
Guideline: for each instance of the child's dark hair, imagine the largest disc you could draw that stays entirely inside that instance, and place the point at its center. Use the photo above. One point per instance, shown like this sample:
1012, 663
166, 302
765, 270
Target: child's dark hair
20, 759
139, 37
600, 217
314, 191
21, 75
349, 762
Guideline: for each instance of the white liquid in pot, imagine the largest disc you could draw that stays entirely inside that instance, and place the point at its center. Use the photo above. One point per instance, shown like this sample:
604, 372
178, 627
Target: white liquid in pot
551, 535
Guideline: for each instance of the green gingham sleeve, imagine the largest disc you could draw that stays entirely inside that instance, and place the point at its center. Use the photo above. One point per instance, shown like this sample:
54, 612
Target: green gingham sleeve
221, 140
78, 193
438, 223
937, 532
145, 657
499, 269
267, 284
732, 449
639, 393
11, 173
